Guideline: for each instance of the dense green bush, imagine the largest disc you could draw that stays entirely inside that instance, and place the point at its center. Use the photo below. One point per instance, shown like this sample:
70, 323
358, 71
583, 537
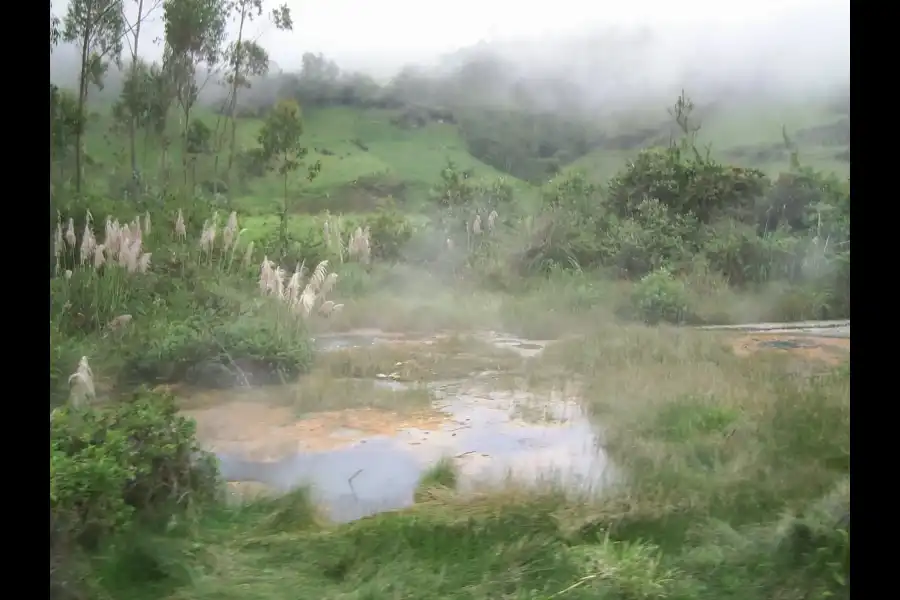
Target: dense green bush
390, 232
704, 187
659, 296
260, 345
113, 467
798, 198
651, 239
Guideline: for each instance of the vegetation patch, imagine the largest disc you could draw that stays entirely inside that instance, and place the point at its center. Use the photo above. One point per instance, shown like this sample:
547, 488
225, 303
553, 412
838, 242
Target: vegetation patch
423, 205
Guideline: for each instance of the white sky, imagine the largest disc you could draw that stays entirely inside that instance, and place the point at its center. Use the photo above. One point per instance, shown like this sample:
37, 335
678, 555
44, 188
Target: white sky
381, 35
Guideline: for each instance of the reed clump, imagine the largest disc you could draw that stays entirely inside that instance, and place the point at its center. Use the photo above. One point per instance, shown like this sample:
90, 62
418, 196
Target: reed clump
96, 278
301, 295
81, 384
358, 246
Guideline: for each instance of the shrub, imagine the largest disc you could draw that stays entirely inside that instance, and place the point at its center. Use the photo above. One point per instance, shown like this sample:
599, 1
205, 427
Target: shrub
119, 465
390, 231
796, 201
255, 347
658, 296
652, 238
703, 187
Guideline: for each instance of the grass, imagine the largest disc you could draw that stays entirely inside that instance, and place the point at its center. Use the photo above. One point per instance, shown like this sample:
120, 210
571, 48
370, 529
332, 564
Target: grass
756, 126
737, 482
405, 162
396, 161
445, 358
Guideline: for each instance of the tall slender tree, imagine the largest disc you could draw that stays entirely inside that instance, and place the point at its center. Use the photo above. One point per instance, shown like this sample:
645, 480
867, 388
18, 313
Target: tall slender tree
195, 33
280, 138
97, 27
145, 8
247, 58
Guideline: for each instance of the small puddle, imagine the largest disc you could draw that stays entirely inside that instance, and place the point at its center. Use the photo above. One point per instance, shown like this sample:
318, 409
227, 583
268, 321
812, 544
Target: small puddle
362, 338
363, 461
525, 348
830, 350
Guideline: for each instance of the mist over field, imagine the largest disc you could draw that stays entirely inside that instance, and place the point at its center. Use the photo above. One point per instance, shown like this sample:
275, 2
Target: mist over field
580, 57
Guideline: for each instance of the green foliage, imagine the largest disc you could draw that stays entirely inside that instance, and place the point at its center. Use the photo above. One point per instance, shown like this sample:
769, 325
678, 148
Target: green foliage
280, 141
806, 200
529, 146
65, 120
112, 467
659, 296
199, 136
65, 350
280, 136
742, 256
652, 238
390, 231
461, 198
299, 245
705, 188
256, 346
146, 98
442, 475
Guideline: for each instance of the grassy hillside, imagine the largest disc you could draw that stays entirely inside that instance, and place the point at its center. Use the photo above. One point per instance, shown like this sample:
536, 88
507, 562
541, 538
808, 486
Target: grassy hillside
364, 157
747, 134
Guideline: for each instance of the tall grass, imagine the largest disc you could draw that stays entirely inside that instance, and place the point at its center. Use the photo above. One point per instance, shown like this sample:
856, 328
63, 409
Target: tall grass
735, 485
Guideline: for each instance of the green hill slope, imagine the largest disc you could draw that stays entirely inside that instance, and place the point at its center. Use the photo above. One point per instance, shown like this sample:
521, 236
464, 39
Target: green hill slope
367, 156
751, 135
364, 157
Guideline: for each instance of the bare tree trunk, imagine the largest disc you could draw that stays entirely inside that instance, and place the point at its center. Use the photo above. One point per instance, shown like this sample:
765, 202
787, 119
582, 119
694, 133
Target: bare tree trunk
82, 93
282, 233
51, 145
184, 141
132, 126
235, 77
50, 235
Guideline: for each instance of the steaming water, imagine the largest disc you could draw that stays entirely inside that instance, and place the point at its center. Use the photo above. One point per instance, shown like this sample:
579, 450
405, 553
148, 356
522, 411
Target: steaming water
360, 461
490, 434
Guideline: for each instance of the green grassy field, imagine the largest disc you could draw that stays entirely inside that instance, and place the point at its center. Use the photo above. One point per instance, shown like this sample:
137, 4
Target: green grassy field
396, 161
756, 126
407, 162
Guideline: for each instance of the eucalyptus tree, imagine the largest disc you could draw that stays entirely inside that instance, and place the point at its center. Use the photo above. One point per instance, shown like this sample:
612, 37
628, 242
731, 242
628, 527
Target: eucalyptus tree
97, 27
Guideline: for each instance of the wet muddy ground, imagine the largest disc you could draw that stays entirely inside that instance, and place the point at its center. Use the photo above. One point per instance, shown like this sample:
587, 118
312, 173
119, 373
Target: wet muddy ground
822, 341
359, 461
832, 351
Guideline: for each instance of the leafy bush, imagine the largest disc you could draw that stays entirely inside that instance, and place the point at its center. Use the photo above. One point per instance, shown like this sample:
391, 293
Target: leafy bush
700, 186
302, 244
651, 239
797, 200
262, 345
116, 466
658, 296
390, 231
743, 257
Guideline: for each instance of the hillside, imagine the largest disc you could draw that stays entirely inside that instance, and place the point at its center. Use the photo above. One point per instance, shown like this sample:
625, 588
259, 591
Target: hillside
750, 135
370, 154
363, 155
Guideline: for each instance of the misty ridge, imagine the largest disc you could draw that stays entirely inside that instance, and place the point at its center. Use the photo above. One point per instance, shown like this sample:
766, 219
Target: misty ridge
797, 55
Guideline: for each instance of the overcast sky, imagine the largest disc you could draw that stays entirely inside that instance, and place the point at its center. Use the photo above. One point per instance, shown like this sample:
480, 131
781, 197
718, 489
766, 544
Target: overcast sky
381, 35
